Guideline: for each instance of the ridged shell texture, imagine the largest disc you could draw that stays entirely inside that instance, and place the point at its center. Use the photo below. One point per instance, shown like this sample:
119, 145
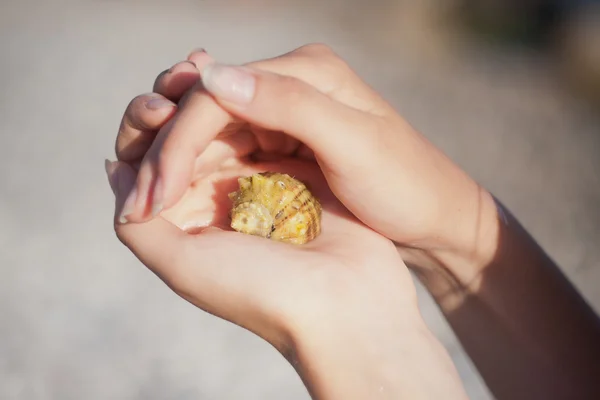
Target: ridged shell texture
276, 206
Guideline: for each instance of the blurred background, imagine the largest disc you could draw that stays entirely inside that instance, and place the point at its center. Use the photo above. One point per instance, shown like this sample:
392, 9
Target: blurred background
508, 88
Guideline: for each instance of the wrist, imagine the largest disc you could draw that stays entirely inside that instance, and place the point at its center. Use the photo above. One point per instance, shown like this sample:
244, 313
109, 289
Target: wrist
392, 360
467, 244
473, 237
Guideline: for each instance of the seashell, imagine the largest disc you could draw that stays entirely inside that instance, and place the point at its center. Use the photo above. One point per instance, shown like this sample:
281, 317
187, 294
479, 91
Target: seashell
276, 206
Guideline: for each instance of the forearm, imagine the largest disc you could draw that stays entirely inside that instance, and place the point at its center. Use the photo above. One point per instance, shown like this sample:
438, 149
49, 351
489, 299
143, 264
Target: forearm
527, 329
387, 364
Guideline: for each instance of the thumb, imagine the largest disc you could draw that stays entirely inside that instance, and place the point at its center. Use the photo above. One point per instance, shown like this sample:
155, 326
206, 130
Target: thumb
335, 132
158, 244
202, 268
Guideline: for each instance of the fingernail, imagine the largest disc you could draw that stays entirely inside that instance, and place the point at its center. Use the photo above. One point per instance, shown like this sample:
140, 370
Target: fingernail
128, 206
231, 83
157, 197
110, 168
159, 102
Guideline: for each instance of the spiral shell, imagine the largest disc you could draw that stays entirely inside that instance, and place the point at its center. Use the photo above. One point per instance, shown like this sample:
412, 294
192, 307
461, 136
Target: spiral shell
275, 206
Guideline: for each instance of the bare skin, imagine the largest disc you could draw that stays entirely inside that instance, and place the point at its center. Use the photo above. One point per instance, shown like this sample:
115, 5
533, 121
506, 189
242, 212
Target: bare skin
313, 302
525, 327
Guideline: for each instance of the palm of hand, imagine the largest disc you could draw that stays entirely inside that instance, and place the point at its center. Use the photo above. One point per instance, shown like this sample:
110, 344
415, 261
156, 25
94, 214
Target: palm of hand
340, 263
206, 205
261, 284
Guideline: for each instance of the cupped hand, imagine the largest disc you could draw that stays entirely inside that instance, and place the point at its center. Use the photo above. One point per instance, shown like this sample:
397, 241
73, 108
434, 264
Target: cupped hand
248, 280
346, 290
338, 308
306, 104
279, 291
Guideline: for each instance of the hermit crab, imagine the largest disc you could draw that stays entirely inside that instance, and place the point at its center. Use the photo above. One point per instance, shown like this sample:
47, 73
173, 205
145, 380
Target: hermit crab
275, 206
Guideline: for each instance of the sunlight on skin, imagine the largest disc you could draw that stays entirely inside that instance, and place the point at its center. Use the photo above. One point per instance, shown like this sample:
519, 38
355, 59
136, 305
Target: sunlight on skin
337, 261
206, 204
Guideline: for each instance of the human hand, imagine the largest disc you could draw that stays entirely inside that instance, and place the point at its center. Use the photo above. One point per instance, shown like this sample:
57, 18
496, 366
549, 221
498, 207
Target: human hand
347, 290
275, 288
341, 309
310, 104
467, 232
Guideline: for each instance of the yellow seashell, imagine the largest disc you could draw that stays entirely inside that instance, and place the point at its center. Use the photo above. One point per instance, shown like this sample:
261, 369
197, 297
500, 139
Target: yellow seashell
276, 206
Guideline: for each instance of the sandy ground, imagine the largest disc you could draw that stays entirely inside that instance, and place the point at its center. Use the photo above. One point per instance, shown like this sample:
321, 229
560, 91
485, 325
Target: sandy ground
80, 318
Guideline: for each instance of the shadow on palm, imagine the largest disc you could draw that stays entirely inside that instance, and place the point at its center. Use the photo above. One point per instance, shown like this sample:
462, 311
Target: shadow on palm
206, 204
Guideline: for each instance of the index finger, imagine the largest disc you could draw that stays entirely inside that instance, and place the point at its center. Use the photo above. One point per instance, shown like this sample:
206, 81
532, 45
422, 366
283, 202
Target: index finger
200, 119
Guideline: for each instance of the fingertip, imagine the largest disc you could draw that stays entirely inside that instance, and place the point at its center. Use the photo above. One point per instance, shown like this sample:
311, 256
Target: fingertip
175, 82
200, 59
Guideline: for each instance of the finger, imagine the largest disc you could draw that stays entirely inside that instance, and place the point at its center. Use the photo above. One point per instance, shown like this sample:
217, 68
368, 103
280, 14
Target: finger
139, 126
156, 244
144, 116
200, 119
148, 197
224, 148
201, 268
200, 58
181, 142
176, 81
141, 120
219, 150
338, 134
319, 66
159, 245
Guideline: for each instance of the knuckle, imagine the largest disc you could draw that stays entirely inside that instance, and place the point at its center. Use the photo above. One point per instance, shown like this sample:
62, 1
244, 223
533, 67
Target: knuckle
132, 112
314, 62
293, 92
324, 55
380, 137
329, 64
137, 102
317, 49
336, 72
136, 116
294, 101
193, 94
292, 87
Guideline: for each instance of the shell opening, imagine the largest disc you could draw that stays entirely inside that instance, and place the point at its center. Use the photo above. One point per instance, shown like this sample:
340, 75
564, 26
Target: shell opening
252, 218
